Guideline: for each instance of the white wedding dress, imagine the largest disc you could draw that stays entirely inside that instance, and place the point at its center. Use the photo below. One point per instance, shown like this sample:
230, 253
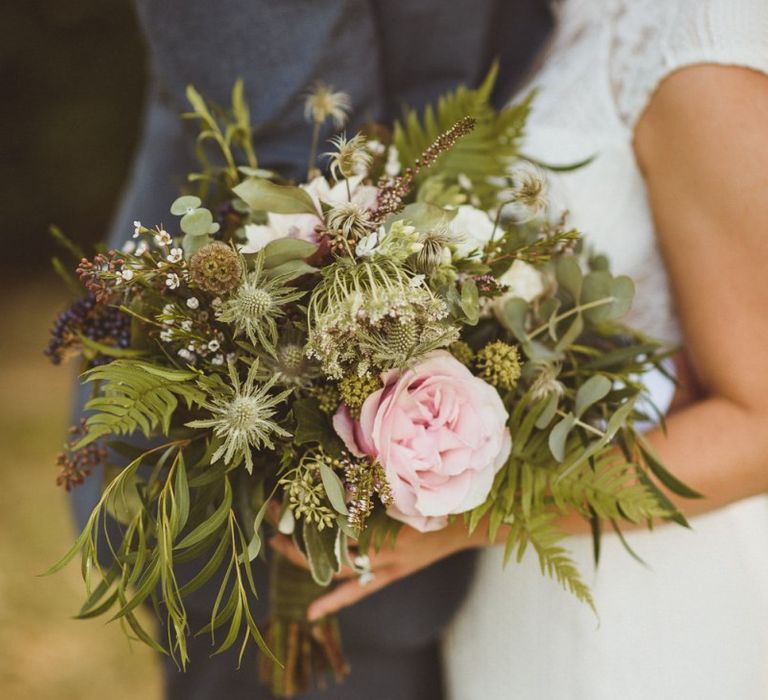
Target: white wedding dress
693, 625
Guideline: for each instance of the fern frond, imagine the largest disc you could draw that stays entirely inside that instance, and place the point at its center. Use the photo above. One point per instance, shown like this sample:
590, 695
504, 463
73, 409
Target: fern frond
136, 396
480, 155
544, 536
611, 488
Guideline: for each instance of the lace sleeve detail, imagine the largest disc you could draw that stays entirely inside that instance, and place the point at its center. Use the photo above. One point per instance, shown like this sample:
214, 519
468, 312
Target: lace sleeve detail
653, 38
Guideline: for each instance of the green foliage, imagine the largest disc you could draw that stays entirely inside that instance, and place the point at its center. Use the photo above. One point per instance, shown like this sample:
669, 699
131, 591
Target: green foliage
181, 521
480, 155
136, 396
545, 537
229, 131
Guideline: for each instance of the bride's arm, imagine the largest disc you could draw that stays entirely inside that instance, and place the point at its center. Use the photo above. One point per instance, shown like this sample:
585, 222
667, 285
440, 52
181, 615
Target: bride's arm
702, 144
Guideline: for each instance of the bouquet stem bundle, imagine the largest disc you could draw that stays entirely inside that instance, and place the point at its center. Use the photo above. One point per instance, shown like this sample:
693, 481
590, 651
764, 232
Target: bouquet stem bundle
308, 651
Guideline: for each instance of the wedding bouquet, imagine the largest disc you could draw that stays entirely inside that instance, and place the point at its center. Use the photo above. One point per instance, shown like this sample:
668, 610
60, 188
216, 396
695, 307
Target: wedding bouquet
410, 338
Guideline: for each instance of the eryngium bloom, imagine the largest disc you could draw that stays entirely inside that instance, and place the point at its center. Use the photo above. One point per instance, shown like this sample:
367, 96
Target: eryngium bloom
255, 306
242, 416
322, 102
216, 268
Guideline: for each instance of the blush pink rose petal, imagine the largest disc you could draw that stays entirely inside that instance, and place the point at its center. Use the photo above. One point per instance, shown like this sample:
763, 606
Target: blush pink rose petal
440, 434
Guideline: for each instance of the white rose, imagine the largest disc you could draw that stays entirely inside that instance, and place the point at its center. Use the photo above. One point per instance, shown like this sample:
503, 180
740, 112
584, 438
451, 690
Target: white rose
522, 281
473, 229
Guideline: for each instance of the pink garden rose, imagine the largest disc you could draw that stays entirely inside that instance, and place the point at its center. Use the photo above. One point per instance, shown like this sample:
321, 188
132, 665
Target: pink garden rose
440, 434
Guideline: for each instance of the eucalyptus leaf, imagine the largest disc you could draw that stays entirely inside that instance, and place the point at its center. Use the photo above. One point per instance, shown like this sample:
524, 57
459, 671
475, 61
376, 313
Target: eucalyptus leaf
263, 195
185, 204
334, 489
470, 302
196, 222
514, 313
569, 277
559, 435
191, 244
546, 416
321, 553
575, 329
590, 392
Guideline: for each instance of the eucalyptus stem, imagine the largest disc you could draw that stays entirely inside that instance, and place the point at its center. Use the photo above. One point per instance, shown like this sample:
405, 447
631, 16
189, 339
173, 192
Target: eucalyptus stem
571, 312
582, 424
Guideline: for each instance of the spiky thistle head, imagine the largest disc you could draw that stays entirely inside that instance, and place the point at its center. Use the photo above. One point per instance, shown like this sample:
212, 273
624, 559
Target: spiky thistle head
323, 103
242, 415
253, 309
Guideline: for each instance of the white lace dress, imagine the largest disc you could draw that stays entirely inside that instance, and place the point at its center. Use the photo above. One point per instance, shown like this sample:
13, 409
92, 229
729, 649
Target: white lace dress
694, 624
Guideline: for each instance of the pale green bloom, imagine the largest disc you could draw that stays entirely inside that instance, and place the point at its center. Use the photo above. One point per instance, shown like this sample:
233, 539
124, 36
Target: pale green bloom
254, 307
242, 416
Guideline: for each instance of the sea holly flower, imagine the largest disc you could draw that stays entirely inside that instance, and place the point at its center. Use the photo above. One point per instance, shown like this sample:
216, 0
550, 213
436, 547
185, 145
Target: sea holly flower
241, 415
254, 307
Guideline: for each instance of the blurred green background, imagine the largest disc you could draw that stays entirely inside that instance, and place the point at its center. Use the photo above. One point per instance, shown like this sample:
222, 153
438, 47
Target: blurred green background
73, 78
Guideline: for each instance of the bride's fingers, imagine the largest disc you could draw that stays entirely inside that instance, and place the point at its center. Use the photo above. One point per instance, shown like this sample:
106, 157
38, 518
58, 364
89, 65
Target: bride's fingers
348, 593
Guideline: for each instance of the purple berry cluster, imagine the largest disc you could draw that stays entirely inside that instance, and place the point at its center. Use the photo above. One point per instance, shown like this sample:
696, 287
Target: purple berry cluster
98, 322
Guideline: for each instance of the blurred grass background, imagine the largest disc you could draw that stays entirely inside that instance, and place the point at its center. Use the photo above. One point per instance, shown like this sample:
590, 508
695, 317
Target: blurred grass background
73, 76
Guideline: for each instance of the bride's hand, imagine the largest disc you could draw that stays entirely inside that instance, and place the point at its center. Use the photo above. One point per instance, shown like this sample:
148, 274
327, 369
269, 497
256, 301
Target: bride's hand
413, 551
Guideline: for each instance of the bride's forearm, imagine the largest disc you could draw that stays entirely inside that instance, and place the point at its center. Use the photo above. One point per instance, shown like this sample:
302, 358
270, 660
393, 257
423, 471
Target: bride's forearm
718, 448
713, 445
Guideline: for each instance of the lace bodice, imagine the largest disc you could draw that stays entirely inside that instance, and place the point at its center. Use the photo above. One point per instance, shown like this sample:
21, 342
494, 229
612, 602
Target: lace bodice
606, 59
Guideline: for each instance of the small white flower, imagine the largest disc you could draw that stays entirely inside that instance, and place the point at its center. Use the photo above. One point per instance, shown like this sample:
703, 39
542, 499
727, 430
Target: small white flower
392, 166
192, 347
464, 182
185, 354
166, 335
216, 303
375, 146
141, 248
193, 303
128, 247
172, 281
367, 245
175, 255
416, 281
186, 325
126, 273
217, 359
162, 237
136, 228
213, 345
168, 309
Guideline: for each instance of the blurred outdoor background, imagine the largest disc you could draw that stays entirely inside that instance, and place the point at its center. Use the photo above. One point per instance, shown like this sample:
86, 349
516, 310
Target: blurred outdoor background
72, 75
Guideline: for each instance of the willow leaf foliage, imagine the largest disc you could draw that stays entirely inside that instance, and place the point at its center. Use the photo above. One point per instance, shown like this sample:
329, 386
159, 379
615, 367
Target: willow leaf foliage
137, 396
482, 154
